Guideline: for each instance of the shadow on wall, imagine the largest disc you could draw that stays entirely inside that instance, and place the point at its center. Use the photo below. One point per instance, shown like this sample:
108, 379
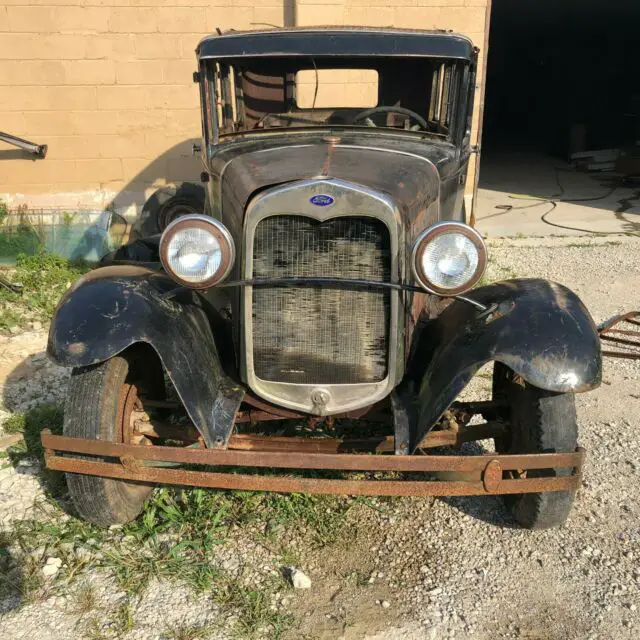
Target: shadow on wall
163, 190
167, 187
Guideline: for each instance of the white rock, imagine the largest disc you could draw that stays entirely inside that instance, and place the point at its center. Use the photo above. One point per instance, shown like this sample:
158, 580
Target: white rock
385, 604
52, 566
299, 579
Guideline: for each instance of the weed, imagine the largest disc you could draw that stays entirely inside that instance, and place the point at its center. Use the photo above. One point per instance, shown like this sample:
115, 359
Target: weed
124, 621
4, 212
93, 629
85, 599
255, 613
593, 245
45, 278
186, 632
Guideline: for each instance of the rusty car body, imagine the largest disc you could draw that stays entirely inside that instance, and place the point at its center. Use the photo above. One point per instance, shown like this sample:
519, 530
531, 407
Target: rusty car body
323, 312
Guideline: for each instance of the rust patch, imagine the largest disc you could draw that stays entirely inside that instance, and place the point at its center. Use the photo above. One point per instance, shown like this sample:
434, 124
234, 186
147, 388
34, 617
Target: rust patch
77, 348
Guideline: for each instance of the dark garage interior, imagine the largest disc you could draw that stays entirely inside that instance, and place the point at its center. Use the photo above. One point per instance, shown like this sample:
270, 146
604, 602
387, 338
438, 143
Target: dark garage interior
563, 75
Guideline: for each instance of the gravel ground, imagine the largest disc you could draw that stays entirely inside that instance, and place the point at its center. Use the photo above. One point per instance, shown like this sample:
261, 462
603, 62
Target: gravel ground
417, 568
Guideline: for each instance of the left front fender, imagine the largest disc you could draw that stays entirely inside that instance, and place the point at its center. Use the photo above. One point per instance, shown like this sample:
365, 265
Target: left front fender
538, 328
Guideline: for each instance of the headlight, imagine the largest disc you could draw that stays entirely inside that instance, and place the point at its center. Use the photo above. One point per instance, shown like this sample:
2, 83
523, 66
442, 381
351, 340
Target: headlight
197, 251
449, 258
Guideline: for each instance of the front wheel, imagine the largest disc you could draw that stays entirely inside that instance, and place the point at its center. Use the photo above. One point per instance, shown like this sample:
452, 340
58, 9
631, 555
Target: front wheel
99, 405
541, 422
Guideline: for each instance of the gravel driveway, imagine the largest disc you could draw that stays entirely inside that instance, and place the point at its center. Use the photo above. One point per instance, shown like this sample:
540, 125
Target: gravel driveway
416, 568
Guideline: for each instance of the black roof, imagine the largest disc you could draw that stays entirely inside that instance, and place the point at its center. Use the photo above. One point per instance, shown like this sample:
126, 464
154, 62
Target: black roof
336, 41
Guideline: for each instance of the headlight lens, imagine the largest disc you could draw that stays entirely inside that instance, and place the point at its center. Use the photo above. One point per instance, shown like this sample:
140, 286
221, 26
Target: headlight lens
449, 258
196, 251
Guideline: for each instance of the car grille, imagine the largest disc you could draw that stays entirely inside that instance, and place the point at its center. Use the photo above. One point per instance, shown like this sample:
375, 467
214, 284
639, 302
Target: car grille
321, 335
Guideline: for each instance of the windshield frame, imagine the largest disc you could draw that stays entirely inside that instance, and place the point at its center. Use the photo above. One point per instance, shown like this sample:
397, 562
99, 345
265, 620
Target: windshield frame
221, 99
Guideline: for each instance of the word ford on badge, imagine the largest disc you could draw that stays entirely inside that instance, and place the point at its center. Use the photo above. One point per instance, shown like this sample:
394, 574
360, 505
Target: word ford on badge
321, 200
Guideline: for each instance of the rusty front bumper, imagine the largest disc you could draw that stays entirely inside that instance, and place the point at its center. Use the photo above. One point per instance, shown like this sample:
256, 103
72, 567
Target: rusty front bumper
481, 474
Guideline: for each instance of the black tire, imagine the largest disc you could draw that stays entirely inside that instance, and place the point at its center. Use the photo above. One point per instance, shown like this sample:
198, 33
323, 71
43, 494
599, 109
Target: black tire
93, 410
167, 204
541, 422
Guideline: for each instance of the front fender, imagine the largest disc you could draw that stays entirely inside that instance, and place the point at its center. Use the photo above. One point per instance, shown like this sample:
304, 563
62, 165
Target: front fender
114, 307
539, 329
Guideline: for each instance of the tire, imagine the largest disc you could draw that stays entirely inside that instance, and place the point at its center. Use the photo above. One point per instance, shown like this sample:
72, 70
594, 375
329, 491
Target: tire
167, 204
94, 409
541, 422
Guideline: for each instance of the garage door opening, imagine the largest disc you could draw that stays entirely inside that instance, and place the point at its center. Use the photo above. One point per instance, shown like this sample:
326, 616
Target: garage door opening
562, 78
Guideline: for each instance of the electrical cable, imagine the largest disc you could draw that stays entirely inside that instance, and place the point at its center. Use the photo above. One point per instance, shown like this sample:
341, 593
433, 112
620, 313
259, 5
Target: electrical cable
556, 199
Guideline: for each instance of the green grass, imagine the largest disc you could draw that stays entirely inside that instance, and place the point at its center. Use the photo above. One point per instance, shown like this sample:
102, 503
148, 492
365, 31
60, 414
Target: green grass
174, 539
188, 632
45, 278
253, 607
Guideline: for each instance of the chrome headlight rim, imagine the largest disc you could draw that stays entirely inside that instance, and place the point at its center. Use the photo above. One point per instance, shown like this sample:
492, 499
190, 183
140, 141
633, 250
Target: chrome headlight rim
438, 229
221, 234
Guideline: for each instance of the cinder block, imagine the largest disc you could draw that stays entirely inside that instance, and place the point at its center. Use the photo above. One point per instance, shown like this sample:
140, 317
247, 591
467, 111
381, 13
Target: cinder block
371, 16
30, 19
320, 14
102, 170
180, 19
92, 123
81, 18
179, 71
440, 3
111, 46
24, 46
140, 72
12, 121
184, 122
174, 97
121, 97
418, 17
136, 121
158, 46
56, 72
91, 72
132, 20
268, 16
66, 98
31, 72
236, 17
44, 123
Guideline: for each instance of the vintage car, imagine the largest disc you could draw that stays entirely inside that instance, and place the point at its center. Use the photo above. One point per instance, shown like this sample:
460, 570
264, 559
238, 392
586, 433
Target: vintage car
325, 306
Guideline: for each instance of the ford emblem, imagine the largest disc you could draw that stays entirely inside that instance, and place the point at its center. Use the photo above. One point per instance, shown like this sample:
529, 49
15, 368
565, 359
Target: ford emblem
321, 200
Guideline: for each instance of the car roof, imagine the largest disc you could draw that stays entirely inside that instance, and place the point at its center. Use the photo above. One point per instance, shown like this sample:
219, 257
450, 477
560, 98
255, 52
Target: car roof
336, 41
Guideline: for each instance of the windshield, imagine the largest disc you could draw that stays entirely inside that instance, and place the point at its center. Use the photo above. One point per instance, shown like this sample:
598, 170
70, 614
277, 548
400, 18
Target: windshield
411, 94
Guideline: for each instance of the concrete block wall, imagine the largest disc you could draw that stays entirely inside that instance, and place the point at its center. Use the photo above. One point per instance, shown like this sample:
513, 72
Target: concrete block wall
107, 84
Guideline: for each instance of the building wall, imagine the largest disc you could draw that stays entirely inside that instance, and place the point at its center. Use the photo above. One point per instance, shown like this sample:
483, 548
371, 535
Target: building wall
107, 84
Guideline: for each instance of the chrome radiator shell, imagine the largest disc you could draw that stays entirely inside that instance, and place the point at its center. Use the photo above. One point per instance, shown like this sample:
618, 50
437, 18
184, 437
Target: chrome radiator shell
323, 396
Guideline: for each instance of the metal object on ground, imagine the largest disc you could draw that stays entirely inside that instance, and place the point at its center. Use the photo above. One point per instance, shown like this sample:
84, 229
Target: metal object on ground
134, 463
627, 340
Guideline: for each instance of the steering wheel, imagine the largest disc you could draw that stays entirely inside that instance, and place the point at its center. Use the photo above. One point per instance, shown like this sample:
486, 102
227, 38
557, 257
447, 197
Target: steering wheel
402, 110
